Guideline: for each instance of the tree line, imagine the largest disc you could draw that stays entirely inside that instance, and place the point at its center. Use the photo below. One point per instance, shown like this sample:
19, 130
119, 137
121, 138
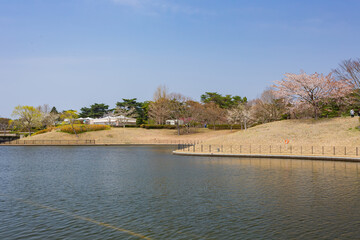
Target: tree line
295, 96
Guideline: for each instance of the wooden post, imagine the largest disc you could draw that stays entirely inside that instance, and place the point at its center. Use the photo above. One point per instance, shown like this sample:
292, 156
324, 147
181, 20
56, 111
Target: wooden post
322, 150
270, 148
334, 150
209, 148
312, 149
345, 150
356, 151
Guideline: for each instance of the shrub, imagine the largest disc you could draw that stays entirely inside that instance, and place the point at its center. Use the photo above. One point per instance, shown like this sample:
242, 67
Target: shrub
223, 126
49, 129
127, 126
150, 126
81, 128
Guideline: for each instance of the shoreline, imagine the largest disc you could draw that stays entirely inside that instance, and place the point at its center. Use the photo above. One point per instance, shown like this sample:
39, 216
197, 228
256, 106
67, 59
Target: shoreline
90, 145
176, 152
298, 157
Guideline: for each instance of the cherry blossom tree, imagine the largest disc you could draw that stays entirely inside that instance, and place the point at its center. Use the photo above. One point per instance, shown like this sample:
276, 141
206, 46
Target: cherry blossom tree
312, 89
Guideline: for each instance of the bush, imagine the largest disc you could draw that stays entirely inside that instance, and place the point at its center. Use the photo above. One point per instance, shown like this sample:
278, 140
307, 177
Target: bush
150, 126
81, 128
223, 126
127, 126
49, 129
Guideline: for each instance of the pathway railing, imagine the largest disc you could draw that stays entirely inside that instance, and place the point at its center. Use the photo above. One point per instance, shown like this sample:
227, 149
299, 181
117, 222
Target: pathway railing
271, 149
149, 141
101, 142
49, 142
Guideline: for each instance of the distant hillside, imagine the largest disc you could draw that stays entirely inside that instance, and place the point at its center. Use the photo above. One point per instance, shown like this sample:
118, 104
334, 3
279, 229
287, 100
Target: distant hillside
323, 132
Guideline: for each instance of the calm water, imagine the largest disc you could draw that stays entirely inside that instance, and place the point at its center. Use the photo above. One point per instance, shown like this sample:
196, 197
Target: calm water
145, 192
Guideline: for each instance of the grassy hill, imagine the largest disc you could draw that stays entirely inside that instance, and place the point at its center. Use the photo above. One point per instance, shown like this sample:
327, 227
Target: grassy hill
323, 132
132, 135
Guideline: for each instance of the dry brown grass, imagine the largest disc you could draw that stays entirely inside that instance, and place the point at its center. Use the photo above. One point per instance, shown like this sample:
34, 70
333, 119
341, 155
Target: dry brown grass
132, 135
323, 132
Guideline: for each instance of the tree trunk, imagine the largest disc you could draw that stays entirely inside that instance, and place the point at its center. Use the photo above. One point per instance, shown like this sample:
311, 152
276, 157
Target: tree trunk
178, 127
316, 112
72, 126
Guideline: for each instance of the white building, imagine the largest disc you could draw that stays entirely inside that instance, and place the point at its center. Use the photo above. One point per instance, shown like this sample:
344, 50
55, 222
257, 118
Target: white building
173, 122
113, 121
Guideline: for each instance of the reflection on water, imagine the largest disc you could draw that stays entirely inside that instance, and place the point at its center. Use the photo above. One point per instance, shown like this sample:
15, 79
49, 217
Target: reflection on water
149, 192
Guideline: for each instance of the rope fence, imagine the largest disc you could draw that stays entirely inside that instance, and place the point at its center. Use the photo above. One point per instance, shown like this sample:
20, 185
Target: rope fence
271, 149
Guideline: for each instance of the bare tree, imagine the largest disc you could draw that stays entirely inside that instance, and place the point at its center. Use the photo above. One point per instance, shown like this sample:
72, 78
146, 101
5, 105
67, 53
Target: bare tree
268, 108
48, 118
245, 112
178, 108
213, 113
161, 92
195, 114
4, 124
159, 108
349, 70
234, 115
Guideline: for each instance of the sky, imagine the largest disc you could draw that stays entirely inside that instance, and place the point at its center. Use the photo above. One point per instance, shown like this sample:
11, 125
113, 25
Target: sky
73, 53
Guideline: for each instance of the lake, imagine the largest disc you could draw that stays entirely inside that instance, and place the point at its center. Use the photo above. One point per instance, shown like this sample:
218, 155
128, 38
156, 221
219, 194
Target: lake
148, 193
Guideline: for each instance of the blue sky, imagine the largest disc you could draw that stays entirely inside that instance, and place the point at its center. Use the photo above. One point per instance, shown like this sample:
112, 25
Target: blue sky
73, 53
